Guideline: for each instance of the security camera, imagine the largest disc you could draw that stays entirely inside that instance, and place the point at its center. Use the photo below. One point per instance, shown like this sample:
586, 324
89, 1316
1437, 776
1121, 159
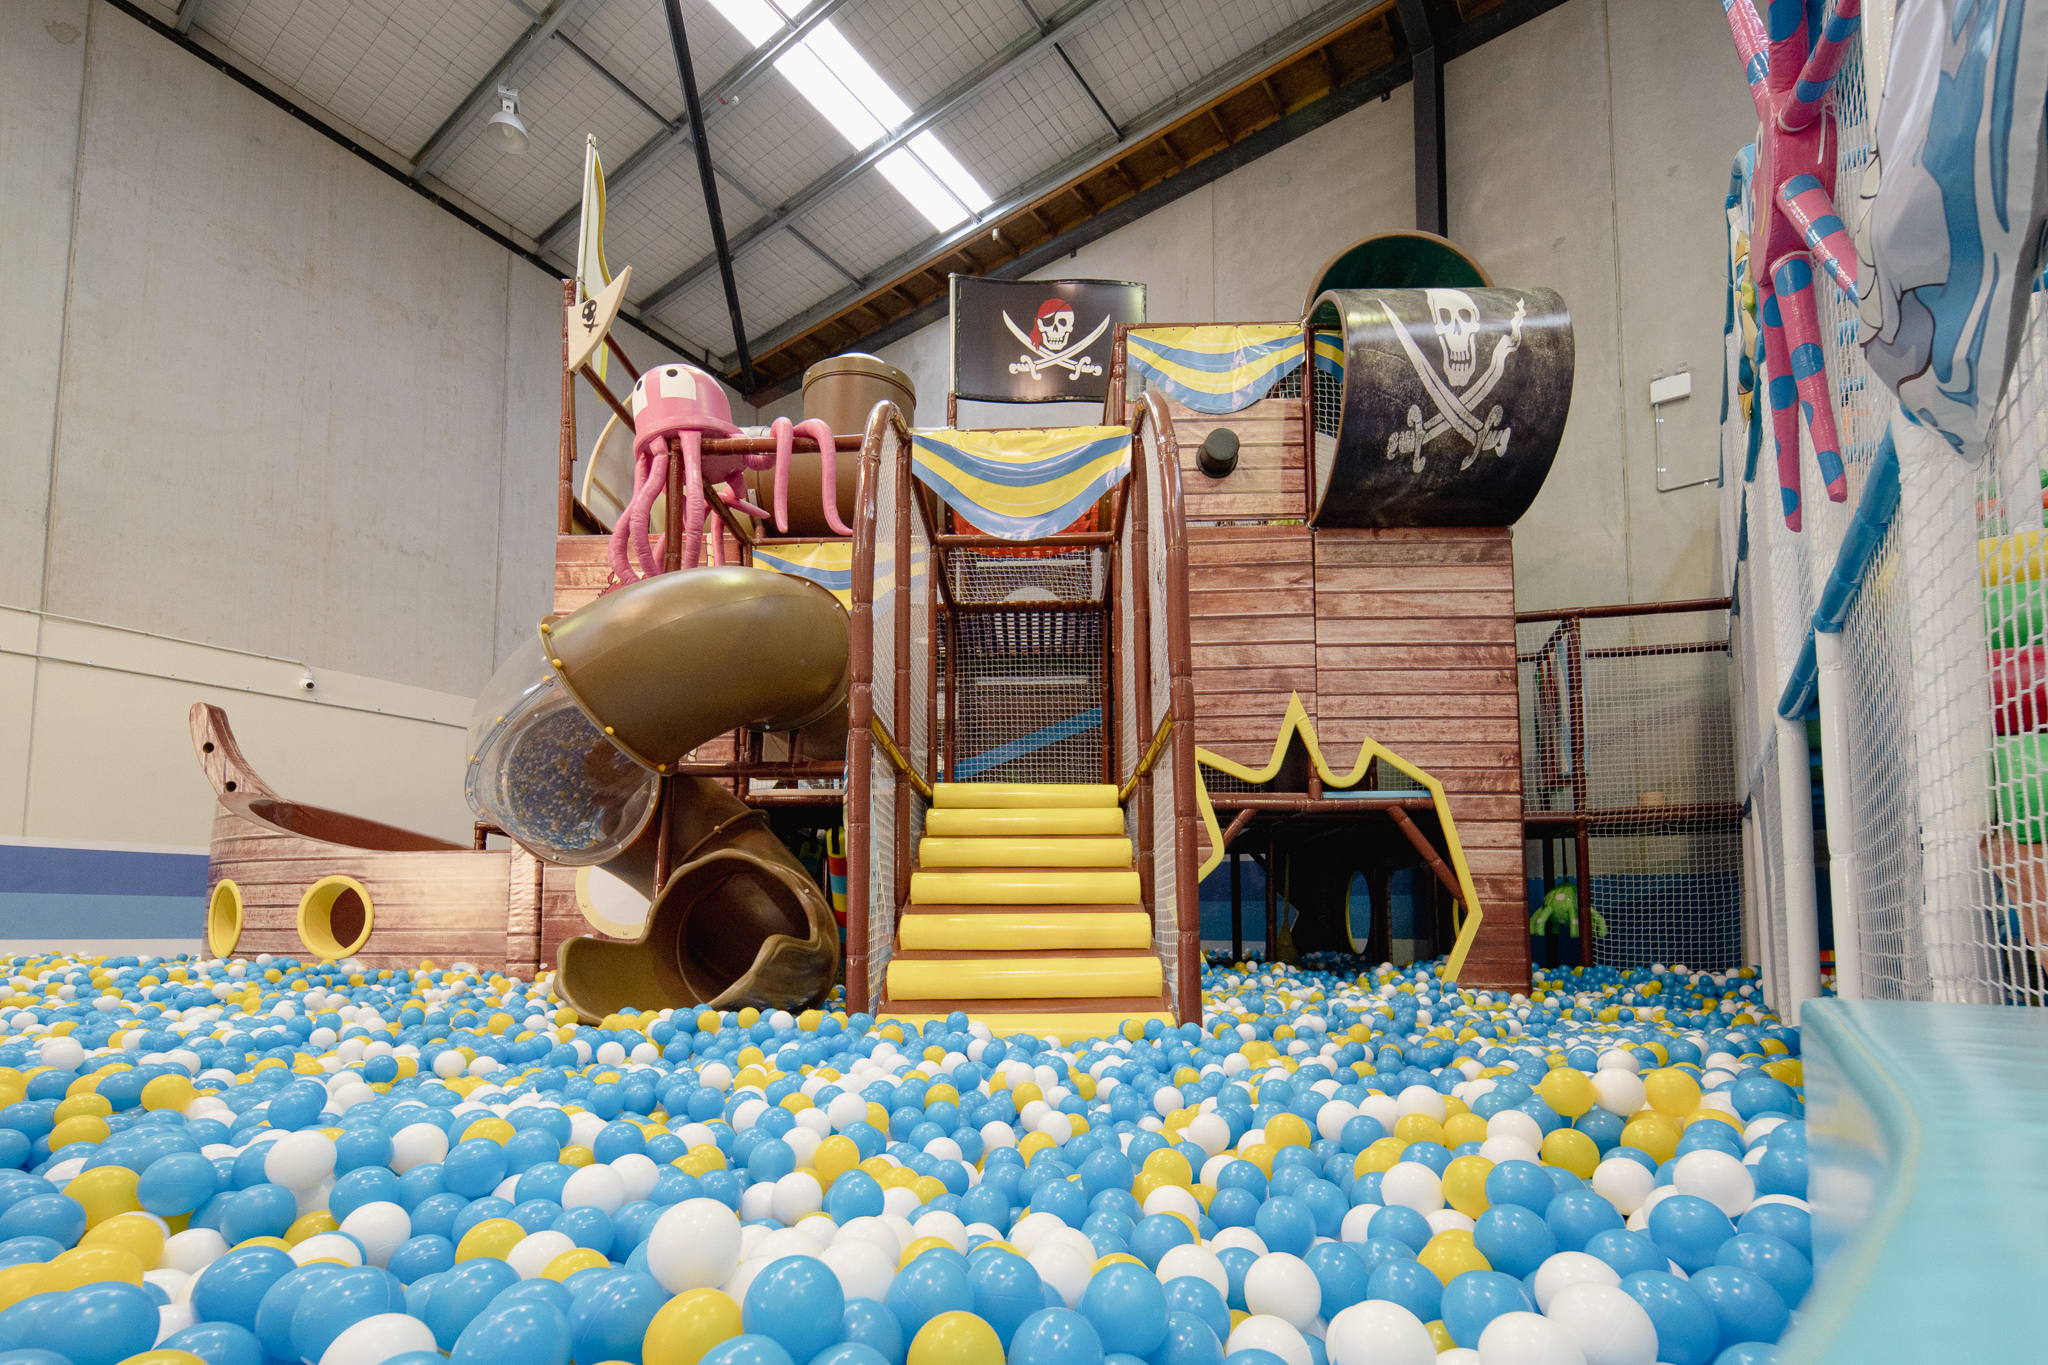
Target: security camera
306, 682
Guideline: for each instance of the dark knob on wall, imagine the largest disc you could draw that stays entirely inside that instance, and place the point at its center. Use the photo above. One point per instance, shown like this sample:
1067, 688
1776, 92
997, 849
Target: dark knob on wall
1218, 456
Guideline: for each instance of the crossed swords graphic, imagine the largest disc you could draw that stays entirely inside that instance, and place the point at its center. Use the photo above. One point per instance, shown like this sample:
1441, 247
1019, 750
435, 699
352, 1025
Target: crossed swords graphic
1453, 411
1073, 363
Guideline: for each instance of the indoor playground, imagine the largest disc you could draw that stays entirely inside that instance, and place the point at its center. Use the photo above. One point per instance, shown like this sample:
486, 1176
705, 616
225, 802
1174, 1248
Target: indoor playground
979, 682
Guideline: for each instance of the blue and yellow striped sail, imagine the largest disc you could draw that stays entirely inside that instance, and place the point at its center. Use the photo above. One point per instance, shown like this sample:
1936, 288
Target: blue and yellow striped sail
1022, 485
1330, 354
828, 563
1218, 368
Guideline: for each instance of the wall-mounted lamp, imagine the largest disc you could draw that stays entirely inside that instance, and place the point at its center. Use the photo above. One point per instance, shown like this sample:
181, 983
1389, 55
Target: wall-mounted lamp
506, 129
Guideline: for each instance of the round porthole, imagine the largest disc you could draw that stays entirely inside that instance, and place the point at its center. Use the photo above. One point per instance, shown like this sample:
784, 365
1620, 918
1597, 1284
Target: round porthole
611, 906
335, 917
224, 918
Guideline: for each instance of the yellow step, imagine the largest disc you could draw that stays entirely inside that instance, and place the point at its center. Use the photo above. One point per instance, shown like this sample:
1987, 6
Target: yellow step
1024, 977
1069, 1027
1024, 795
1026, 931
1024, 886
985, 823
1066, 852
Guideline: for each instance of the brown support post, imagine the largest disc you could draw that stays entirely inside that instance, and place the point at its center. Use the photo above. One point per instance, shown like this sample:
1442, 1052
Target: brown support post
1308, 423
860, 752
664, 856
1575, 667
1428, 851
1236, 908
672, 536
565, 495
1585, 869
1272, 897
900, 722
952, 684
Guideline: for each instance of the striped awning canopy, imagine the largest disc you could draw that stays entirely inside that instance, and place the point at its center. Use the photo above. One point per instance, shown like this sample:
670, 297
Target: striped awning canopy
1022, 485
1217, 368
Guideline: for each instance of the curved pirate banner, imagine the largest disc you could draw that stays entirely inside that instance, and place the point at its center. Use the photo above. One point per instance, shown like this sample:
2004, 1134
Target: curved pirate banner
1037, 341
1453, 404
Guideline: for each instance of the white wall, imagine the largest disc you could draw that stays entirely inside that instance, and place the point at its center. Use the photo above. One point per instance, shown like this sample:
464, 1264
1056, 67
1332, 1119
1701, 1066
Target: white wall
258, 397
1588, 152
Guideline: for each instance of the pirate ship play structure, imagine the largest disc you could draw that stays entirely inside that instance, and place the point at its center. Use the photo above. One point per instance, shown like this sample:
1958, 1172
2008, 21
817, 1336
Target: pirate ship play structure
1050, 679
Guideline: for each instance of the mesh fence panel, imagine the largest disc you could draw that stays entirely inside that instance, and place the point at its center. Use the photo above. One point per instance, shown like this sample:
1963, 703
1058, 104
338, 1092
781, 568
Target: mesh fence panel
883, 871
1165, 870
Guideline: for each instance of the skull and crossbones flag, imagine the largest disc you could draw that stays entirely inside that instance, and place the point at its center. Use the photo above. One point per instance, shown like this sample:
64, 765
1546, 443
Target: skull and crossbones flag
1037, 341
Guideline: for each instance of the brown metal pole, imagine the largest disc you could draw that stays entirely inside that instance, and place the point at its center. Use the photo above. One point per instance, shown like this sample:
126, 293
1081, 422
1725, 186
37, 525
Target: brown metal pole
565, 496
900, 722
1628, 609
1272, 897
664, 856
672, 541
1585, 855
860, 752
1427, 850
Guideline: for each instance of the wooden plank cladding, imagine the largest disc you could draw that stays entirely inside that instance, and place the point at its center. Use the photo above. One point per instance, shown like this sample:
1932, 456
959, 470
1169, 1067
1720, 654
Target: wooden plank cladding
1271, 478
1251, 610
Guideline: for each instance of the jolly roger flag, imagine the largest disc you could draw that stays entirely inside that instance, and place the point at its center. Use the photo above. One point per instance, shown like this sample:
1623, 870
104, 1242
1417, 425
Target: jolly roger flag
1037, 341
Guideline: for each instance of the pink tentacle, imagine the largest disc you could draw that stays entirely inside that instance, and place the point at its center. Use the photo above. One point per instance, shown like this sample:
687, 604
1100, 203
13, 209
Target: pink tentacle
785, 444
736, 498
693, 506
650, 478
828, 452
1809, 93
1750, 46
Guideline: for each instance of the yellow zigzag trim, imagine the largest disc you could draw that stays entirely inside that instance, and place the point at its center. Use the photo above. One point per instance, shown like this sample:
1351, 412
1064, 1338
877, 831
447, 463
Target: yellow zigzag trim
1296, 722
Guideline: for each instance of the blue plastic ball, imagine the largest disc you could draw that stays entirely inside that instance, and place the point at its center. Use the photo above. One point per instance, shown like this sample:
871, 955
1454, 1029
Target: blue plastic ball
100, 1324
1189, 1341
1689, 1230
339, 1302
745, 1349
232, 1287
1744, 1302
1688, 1332
1777, 1262
1476, 1298
1056, 1336
1513, 1239
177, 1183
799, 1302
1126, 1304
1399, 1223
1006, 1291
1156, 1234
1192, 1294
274, 1315
1626, 1251
872, 1324
1787, 1222
463, 1293
217, 1343
1409, 1284
1574, 1216
529, 1331
1341, 1274
850, 1353
56, 1216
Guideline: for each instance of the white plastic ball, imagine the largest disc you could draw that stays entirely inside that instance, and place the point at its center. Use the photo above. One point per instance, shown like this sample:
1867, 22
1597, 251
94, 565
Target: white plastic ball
1356, 1222
327, 1246
939, 1223
1623, 1183
193, 1250
636, 1172
1262, 1332
1607, 1324
1211, 1133
381, 1227
1527, 1339
1421, 1099
901, 1202
65, 1052
299, 1161
1173, 1199
374, 1340
1565, 1268
865, 1269
1448, 1220
1064, 1268
532, 1253
416, 1144
1238, 1237
1379, 1332
1195, 1261
872, 1230
1620, 1092
695, 1245
594, 1186
1331, 1118
795, 1197
1282, 1286
1413, 1185
1619, 1059
1516, 1124
845, 1111
1507, 1148
1718, 1178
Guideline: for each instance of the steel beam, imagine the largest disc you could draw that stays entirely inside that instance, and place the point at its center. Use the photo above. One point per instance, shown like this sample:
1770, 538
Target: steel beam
486, 90
686, 77
1432, 203
844, 173
650, 153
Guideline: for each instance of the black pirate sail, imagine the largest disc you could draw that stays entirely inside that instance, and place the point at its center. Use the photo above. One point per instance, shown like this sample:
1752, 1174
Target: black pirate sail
1037, 341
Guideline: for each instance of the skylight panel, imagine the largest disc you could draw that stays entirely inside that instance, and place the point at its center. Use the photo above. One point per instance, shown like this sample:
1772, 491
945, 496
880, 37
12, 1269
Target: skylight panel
950, 172
915, 182
841, 85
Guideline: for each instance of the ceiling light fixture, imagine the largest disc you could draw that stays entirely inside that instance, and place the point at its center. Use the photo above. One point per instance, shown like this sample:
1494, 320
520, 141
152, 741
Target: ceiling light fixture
506, 129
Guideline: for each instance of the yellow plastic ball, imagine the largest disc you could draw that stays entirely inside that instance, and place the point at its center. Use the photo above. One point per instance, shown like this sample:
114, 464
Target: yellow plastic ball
835, 1156
168, 1092
1418, 1128
105, 1192
577, 1155
1289, 1130
1261, 1155
85, 1102
1572, 1150
494, 1237
310, 1225
18, 1282
1463, 1128
1651, 1133
1381, 1156
687, 1326
918, 1247
164, 1355
79, 1128
1569, 1091
496, 1129
93, 1265
1465, 1184
927, 1188
1170, 1166
1441, 1335
956, 1338
136, 1233
1448, 1256
568, 1263
1672, 1091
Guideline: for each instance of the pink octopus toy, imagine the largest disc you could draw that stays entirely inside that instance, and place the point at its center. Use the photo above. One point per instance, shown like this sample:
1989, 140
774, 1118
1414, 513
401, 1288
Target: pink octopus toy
1791, 68
680, 404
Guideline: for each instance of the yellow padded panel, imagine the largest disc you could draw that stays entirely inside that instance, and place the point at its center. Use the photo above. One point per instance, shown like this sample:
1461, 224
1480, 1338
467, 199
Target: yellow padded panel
1024, 795
1024, 886
946, 852
1024, 978
1027, 930
1067, 1027
976, 822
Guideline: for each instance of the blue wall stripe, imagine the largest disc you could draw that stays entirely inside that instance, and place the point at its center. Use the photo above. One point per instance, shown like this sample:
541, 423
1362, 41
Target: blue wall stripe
52, 915
43, 868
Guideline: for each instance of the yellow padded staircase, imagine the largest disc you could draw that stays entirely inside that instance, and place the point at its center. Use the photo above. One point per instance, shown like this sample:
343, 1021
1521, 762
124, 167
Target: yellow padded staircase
1025, 912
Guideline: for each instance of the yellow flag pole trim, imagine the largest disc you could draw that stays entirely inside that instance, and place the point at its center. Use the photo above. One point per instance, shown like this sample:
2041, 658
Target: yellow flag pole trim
1296, 722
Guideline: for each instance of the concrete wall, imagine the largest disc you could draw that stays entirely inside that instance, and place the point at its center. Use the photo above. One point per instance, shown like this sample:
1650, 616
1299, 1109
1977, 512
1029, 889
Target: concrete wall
1588, 152
262, 400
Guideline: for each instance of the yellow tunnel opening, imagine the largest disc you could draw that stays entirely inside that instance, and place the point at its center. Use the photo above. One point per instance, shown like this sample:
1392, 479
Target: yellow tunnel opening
224, 918
335, 916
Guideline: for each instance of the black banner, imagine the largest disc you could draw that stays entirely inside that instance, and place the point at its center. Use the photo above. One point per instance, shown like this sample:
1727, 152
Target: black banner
1037, 341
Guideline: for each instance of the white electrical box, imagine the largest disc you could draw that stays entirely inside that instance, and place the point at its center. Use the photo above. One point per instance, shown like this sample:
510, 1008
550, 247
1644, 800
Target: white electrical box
1670, 388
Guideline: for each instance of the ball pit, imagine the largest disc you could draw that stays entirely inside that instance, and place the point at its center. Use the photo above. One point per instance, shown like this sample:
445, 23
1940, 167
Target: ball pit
239, 1162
